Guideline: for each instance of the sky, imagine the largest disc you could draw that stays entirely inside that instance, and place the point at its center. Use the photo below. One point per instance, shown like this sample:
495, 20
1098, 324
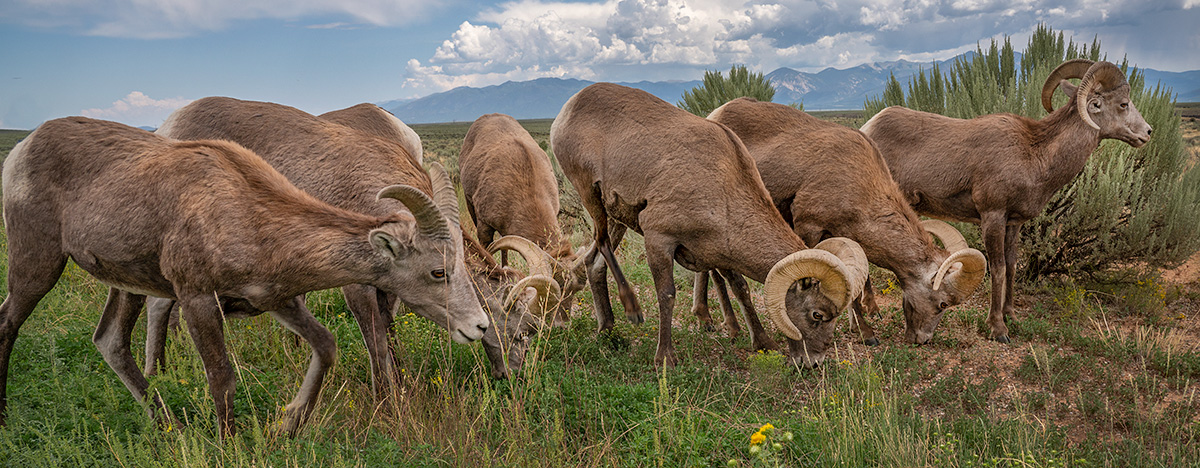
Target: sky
134, 61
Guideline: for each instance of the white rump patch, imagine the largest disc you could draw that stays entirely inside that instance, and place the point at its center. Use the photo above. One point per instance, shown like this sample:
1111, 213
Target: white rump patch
15, 178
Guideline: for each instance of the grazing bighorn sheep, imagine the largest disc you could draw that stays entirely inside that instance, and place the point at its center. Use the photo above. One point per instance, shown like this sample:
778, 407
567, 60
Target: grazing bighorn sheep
1000, 170
341, 166
829, 180
212, 225
690, 188
510, 189
375, 120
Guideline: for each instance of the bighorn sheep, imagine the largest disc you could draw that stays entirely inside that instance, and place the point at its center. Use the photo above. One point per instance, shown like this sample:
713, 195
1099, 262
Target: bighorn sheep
342, 166
1000, 170
690, 188
510, 189
829, 180
210, 224
379, 122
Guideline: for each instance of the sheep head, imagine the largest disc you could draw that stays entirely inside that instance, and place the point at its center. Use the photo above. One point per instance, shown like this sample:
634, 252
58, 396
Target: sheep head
524, 305
807, 290
960, 272
426, 260
1101, 99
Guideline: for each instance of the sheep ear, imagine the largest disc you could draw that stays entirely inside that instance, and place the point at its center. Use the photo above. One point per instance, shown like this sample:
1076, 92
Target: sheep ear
387, 244
1068, 88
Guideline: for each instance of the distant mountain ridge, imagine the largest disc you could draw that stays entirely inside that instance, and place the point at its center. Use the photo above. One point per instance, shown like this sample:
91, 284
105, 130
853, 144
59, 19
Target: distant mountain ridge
828, 89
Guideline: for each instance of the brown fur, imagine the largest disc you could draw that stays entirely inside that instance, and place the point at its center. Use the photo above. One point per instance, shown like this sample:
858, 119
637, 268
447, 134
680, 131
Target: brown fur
830, 181
999, 170
345, 166
687, 184
510, 189
215, 227
376, 121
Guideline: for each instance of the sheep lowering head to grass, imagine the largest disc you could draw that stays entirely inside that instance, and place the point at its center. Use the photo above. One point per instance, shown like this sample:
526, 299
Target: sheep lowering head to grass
212, 225
342, 162
1000, 170
689, 186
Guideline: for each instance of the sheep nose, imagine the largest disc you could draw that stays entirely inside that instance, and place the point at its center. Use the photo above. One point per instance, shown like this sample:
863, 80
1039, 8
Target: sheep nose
482, 327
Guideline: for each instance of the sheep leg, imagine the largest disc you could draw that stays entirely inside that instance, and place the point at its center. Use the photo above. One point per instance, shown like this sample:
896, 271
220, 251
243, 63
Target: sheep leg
375, 323
863, 307
993, 225
33, 270
660, 257
633, 310
206, 325
297, 318
700, 301
1012, 245
597, 275
731, 322
759, 338
158, 319
112, 337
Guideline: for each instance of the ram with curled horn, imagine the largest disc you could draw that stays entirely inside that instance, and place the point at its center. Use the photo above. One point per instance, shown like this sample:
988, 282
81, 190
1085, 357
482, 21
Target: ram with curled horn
1000, 170
691, 189
510, 189
345, 167
829, 180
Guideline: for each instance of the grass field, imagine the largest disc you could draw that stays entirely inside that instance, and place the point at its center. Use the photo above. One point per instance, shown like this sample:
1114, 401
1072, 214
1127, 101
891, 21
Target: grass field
1097, 375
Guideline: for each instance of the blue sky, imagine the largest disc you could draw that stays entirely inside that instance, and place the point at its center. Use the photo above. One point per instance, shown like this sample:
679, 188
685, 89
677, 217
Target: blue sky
134, 61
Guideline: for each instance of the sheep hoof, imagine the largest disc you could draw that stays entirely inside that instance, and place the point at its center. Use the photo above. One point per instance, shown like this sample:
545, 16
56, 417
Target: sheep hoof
872, 341
1003, 339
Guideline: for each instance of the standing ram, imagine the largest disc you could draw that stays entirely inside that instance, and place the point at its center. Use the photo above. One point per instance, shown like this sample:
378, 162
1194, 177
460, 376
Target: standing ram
212, 225
830, 180
341, 166
510, 189
1000, 170
691, 189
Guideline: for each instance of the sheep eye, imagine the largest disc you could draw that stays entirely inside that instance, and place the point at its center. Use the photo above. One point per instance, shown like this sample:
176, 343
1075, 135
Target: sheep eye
817, 316
1124, 105
943, 306
438, 273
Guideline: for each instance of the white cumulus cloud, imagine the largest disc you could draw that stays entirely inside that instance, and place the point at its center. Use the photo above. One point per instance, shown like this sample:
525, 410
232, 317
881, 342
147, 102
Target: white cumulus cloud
137, 109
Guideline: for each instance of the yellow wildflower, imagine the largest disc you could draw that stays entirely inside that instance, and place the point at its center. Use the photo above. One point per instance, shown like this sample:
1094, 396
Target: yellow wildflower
757, 438
766, 429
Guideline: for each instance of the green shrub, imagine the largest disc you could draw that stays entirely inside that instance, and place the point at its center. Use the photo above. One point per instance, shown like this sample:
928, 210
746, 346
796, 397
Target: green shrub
717, 90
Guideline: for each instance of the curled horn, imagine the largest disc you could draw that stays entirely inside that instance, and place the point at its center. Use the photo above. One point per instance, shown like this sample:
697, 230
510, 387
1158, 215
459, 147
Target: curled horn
1070, 69
444, 195
1101, 75
547, 290
810, 263
430, 221
851, 254
968, 277
540, 262
541, 270
943, 231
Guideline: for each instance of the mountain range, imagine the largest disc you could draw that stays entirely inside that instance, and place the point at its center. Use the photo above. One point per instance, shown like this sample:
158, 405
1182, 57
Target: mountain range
829, 89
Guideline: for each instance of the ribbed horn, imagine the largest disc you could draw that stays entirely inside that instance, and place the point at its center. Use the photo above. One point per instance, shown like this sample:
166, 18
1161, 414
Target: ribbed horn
1070, 69
1102, 75
548, 290
444, 195
943, 231
968, 277
430, 222
539, 262
851, 254
810, 263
